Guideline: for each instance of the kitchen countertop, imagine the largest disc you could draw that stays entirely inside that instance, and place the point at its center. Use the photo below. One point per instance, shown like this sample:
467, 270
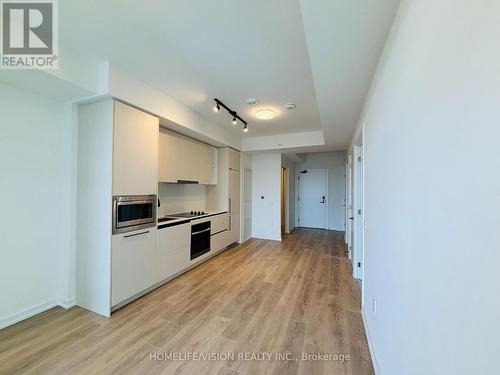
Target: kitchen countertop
169, 219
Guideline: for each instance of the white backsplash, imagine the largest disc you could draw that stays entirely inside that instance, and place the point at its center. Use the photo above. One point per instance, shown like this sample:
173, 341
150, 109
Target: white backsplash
177, 198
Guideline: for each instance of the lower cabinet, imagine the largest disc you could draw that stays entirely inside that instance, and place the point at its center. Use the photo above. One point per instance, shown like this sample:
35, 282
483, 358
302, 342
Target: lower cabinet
234, 228
218, 241
173, 254
133, 259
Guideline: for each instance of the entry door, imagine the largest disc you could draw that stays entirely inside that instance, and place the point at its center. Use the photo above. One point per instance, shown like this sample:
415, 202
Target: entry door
313, 199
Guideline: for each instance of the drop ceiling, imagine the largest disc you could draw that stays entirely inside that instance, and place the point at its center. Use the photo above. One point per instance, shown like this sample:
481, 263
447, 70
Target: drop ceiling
320, 55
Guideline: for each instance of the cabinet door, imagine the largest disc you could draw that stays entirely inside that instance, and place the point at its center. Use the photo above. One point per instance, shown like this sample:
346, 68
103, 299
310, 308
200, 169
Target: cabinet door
234, 191
219, 241
173, 250
234, 159
169, 151
204, 164
135, 151
234, 228
132, 264
219, 223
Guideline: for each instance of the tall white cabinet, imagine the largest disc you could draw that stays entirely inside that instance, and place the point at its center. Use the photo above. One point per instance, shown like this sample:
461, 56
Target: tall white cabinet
234, 196
226, 194
117, 155
135, 151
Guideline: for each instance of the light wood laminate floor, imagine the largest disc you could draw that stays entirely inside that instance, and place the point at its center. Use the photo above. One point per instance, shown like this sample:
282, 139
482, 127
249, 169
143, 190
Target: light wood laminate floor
260, 297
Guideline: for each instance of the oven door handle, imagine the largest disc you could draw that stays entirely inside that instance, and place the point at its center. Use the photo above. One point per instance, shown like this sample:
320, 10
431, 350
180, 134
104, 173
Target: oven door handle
201, 231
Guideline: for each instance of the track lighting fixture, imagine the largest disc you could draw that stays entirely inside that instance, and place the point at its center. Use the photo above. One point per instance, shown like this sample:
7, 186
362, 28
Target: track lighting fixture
217, 107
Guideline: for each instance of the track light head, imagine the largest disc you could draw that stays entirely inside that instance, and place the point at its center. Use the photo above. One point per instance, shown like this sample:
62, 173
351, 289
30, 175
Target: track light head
245, 129
236, 118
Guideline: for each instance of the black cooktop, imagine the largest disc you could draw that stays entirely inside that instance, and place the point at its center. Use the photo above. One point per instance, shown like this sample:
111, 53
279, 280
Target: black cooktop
190, 214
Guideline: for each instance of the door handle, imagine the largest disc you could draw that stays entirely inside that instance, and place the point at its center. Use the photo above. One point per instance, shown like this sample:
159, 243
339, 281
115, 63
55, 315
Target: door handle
135, 234
351, 218
200, 231
323, 201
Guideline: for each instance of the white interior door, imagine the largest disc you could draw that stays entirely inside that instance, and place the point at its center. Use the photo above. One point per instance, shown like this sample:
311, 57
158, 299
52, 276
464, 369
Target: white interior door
313, 200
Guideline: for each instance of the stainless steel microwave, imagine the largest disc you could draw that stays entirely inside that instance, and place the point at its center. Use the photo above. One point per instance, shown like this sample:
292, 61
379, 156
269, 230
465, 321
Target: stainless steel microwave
133, 212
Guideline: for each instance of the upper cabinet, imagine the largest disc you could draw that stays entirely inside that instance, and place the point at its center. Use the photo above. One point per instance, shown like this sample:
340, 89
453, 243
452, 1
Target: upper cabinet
234, 159
135, 151
183, 159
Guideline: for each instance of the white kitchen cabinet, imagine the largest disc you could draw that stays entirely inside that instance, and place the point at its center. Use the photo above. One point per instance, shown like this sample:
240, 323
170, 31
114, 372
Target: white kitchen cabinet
181, 158
204, 163
117, 155
219, 241
219, 223
234, 159
173, 252
169, 168
226, 194
234, 191
135, 151
133, 260
234, 228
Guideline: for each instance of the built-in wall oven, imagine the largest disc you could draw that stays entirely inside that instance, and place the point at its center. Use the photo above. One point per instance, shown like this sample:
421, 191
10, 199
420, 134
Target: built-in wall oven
133, 212
200, 238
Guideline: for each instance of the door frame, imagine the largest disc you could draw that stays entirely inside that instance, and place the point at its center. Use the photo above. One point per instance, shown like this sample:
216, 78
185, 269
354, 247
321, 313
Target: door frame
297, 189
348, 205
358, 212
285, 200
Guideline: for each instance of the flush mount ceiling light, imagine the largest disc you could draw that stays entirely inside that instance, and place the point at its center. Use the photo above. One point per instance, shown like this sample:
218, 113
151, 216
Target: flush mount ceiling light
217, 107
265, 114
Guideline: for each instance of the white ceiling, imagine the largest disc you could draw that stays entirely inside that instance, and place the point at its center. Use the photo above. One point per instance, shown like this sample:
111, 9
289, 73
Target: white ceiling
345, 39
197, 50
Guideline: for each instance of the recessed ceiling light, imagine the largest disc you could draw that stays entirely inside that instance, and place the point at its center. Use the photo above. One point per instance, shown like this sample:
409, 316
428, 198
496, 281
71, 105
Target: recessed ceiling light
265, 114
290, 105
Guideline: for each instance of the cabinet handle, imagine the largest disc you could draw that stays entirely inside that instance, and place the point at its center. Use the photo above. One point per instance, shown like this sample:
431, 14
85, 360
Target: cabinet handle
230, 223
201, 231
135, 234
230, 205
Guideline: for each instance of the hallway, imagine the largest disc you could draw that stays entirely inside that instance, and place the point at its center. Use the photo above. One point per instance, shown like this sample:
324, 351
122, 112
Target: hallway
297, 296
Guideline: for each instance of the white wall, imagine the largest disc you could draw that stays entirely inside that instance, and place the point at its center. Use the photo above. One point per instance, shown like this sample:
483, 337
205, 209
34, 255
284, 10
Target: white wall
266, 182
287, 163
335, 163
37, 185
175, 198
432, 191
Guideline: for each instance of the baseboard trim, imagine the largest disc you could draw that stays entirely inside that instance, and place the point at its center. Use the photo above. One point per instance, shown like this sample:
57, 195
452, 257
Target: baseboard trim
268, 238
27, 313
370, 344
245, 240
67, 304
35, 310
